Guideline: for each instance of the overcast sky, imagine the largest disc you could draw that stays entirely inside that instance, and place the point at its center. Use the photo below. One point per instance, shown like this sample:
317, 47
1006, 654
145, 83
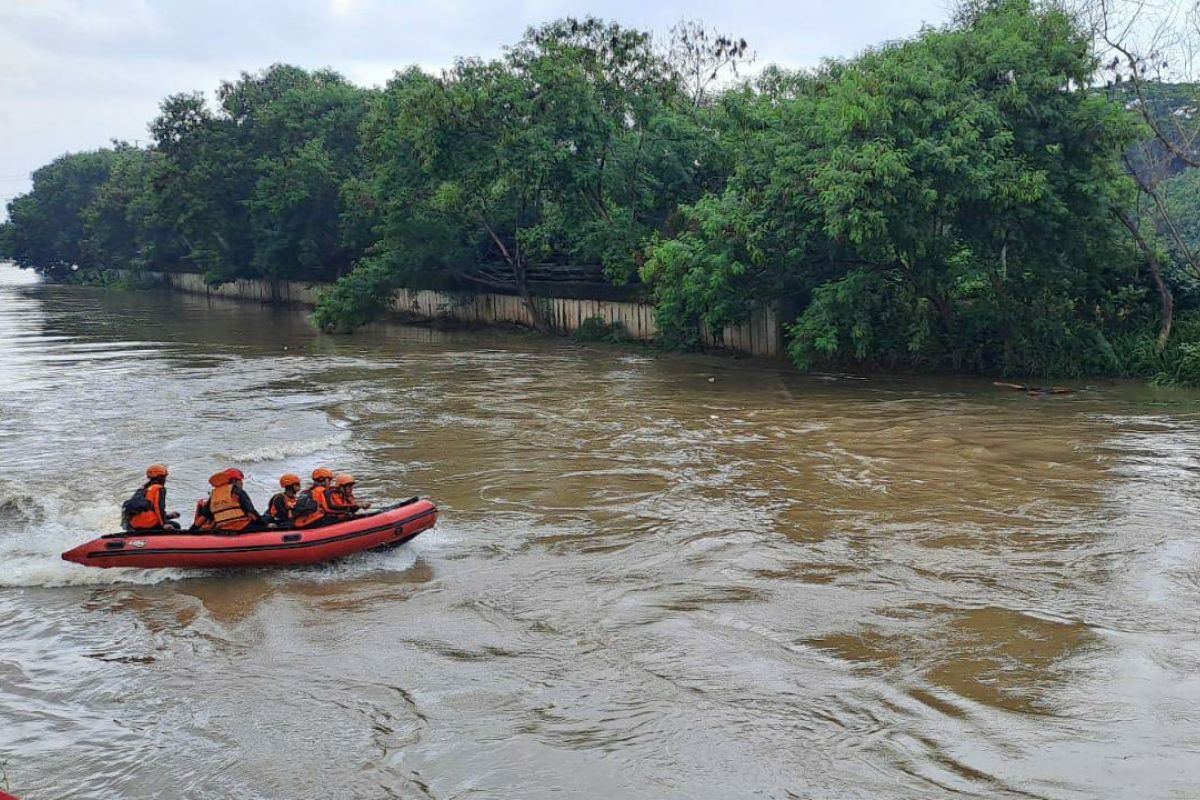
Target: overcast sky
76, 73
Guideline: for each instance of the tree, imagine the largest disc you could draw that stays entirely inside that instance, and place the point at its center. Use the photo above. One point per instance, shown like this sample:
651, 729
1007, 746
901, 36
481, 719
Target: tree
202, 184
45, 230
308, 143
254, 188
573, 148
962, 180
1142, 45
121, 227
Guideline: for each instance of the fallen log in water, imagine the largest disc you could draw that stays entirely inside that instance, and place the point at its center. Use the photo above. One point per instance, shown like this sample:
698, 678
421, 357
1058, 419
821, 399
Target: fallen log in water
1022, 387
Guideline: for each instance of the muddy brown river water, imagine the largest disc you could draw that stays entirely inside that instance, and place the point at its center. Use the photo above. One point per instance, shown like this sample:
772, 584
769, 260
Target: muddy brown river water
655, 576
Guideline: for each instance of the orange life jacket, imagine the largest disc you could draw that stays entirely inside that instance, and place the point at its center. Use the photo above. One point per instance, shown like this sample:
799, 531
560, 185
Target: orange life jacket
154, 517
226, 509
343, 501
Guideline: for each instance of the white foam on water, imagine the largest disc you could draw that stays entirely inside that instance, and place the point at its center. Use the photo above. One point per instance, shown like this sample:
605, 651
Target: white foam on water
373, 563
282, 450
35, 533
359, 565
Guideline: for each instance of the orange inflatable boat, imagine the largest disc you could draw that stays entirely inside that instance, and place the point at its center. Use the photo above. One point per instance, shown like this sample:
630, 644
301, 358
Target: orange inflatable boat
385, 528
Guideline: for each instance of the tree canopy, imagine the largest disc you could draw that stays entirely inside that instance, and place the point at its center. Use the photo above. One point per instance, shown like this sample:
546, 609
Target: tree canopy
969, 199
944, 202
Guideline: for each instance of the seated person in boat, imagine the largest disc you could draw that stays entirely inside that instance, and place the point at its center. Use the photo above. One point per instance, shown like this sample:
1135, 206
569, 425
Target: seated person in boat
279, 508
312, 507
146, 510
203, 520
341, 497
231, 508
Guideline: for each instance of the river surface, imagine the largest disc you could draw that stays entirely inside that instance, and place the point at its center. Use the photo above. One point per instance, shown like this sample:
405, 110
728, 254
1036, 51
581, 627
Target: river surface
654, 576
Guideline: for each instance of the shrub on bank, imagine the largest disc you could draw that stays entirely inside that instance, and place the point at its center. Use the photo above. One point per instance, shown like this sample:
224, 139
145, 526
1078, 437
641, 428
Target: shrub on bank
595, 329
357, 298
1178, 364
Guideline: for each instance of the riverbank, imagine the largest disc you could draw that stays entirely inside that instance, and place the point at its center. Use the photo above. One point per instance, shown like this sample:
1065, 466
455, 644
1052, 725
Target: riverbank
761, 335
616, 322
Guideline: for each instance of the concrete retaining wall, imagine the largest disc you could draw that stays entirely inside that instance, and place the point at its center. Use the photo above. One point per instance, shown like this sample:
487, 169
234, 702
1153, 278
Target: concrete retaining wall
760, 335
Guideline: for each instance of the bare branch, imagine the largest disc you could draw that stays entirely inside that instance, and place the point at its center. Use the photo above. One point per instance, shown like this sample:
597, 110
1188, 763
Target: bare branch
700, 56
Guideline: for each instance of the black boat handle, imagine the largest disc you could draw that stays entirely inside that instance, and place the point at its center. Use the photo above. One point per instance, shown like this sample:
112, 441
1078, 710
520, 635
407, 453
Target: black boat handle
291, 537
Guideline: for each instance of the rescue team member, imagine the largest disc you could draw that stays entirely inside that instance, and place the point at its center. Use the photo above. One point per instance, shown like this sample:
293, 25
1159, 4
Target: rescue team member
341, 497
231, 508
279, 508
312, 506
146, 510
203, 520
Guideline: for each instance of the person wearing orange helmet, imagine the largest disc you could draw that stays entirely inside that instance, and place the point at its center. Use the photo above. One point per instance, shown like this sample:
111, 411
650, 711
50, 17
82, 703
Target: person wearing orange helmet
146, 510
341, 497
279, 508
312, 507
231, 508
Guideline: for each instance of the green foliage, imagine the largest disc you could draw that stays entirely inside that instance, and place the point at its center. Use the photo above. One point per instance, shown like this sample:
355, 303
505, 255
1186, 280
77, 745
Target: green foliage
575, 147
120, 280
865, 318
254, 187
939, 203
1138, 356
1182, 366
1182, 193
712, 273
260, 185
595, 329
46, 228
122, 229
357, 298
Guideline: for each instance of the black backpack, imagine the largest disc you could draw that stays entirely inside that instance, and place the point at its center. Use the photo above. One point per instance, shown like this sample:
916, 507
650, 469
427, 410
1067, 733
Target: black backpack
135, 505
305, 504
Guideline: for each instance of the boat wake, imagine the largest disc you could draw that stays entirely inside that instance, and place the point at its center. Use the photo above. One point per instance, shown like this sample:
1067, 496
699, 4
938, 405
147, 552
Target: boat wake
357, 566
35, 531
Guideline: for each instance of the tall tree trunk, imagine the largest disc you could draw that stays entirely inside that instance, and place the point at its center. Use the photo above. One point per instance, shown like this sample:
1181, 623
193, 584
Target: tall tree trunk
945, 311
531, 305
1166, 301
522, 281
943, 308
